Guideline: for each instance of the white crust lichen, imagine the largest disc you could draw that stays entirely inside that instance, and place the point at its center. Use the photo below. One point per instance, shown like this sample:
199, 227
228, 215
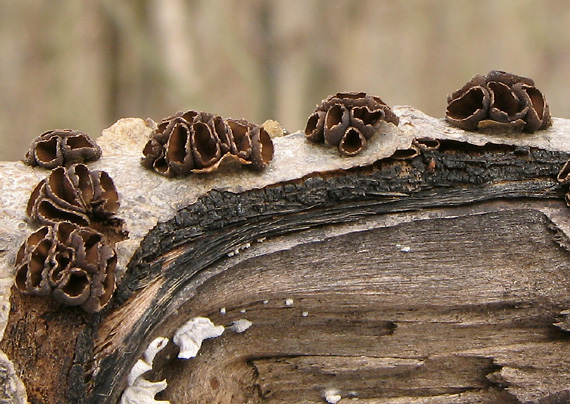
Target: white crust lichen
189, 337
140, 390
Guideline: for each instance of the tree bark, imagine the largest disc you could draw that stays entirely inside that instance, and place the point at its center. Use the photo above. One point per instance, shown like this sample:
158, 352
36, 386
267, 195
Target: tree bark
388, 277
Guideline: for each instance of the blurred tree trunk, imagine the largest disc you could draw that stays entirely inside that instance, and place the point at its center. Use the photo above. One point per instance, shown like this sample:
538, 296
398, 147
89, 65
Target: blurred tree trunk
84, 64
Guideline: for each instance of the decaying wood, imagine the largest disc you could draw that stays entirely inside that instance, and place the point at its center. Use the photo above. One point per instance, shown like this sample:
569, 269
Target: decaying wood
439, 278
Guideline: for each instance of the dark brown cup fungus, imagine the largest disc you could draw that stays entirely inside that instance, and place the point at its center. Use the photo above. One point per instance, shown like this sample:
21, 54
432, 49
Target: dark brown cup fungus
198, 142
73, 194
61, 147
498, 102
348, 121
72, 264
426, 143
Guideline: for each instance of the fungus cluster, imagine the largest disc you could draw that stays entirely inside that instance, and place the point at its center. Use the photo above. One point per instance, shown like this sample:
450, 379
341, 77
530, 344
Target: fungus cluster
65, 258
198, 142
60, 147
498, 102
73, 194
348, 120
68, 262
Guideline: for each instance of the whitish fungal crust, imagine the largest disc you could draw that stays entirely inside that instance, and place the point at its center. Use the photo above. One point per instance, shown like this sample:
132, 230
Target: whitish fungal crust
140, 390
240, 325
332, 396
237, 250
189, 337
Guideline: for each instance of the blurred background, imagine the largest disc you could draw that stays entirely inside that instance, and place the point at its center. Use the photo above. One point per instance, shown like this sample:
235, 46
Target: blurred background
83, 64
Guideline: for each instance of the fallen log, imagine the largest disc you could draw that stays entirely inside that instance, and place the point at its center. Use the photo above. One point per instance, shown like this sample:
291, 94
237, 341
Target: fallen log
432, 267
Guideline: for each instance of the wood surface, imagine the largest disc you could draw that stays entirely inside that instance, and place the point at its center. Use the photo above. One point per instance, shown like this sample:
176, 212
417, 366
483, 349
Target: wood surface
442, 278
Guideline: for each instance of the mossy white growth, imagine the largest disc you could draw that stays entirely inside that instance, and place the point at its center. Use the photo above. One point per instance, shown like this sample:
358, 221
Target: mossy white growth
189, 337
240, 325
140, 390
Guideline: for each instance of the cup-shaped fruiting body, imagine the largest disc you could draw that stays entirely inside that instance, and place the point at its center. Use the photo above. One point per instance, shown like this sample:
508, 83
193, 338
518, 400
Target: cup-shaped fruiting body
61, 147
348, 120
198, 142
498, 102
72, 264
426, 143
73, 194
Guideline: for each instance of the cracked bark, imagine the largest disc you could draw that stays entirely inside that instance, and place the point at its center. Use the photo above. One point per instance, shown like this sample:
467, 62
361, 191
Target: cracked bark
434, 279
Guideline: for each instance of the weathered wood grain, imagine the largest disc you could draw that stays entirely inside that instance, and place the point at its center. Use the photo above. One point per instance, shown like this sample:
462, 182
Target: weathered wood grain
377, 322
433, 279
217, 224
